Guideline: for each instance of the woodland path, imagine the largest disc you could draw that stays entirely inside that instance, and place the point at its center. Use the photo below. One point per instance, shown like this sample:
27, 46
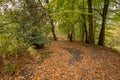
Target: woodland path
69, 61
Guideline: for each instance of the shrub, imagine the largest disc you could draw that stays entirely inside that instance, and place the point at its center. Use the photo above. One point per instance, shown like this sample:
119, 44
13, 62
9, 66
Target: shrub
4, 44
13, 40
33, 36
10, 42
9, 45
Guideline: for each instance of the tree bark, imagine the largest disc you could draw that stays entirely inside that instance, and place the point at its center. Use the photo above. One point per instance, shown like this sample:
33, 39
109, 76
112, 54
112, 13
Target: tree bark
104, 16
90, 20
72, 24
52, 24
53, 29
37, 16
86, 33
84, 27
82, 30
71, 34
47, 1
32, 7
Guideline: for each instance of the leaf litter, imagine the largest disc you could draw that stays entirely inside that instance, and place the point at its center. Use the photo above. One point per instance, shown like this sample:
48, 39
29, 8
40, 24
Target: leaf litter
68, 61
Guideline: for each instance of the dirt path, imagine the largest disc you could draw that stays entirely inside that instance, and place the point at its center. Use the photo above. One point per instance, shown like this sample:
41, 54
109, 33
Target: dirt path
70, 61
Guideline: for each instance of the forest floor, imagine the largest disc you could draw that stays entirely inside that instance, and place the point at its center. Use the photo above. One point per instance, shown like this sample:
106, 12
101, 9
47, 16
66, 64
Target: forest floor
63, 60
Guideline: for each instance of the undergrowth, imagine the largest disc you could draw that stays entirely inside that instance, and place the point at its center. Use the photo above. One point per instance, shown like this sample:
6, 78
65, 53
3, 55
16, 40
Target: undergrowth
45, 55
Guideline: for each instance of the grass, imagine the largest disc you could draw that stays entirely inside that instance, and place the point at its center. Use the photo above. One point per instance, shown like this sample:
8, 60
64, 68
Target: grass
9, 69
45, 55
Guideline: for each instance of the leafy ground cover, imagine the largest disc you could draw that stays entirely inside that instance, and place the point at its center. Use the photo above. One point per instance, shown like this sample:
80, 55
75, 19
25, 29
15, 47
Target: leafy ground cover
64, 60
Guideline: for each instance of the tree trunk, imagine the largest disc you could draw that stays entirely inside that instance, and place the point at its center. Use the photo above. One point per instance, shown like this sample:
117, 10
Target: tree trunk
82, 32
47, 1
84, 27
32, 7
86, 33
68, 35
71, 33
74, 35
71, 36
53, 29
90, 20
104, 16
37, 16
52, 23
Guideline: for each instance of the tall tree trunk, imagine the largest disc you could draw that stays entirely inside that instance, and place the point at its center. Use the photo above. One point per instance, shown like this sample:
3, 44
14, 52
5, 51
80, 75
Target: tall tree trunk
90, 20
72, 24
74, 35
71, 37
68, 35
71, 33
104, 16
84, 27
82, 32
47, 1
32, 7
37, 16
53, 29
52, 24
86, 33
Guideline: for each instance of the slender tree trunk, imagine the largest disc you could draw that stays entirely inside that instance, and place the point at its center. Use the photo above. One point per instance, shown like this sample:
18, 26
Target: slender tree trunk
52, 24
53, 30
104, 16
68, 35
83, 24
86, 33
82, 32
72, 24
90, 20
84, 27
71, 33
74, 35
71, 37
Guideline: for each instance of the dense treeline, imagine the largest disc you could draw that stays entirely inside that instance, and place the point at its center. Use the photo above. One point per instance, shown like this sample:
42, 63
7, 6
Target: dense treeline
24, 23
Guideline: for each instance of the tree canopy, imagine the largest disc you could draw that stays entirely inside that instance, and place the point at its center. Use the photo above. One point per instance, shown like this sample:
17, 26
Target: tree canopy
31, 22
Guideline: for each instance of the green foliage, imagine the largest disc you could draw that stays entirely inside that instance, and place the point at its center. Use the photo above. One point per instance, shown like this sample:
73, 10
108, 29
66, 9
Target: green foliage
46, 29
38, 40
114, 41
31, 50
10, 68
18, 30
33, 36
10, 42
4, 44
9, 45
